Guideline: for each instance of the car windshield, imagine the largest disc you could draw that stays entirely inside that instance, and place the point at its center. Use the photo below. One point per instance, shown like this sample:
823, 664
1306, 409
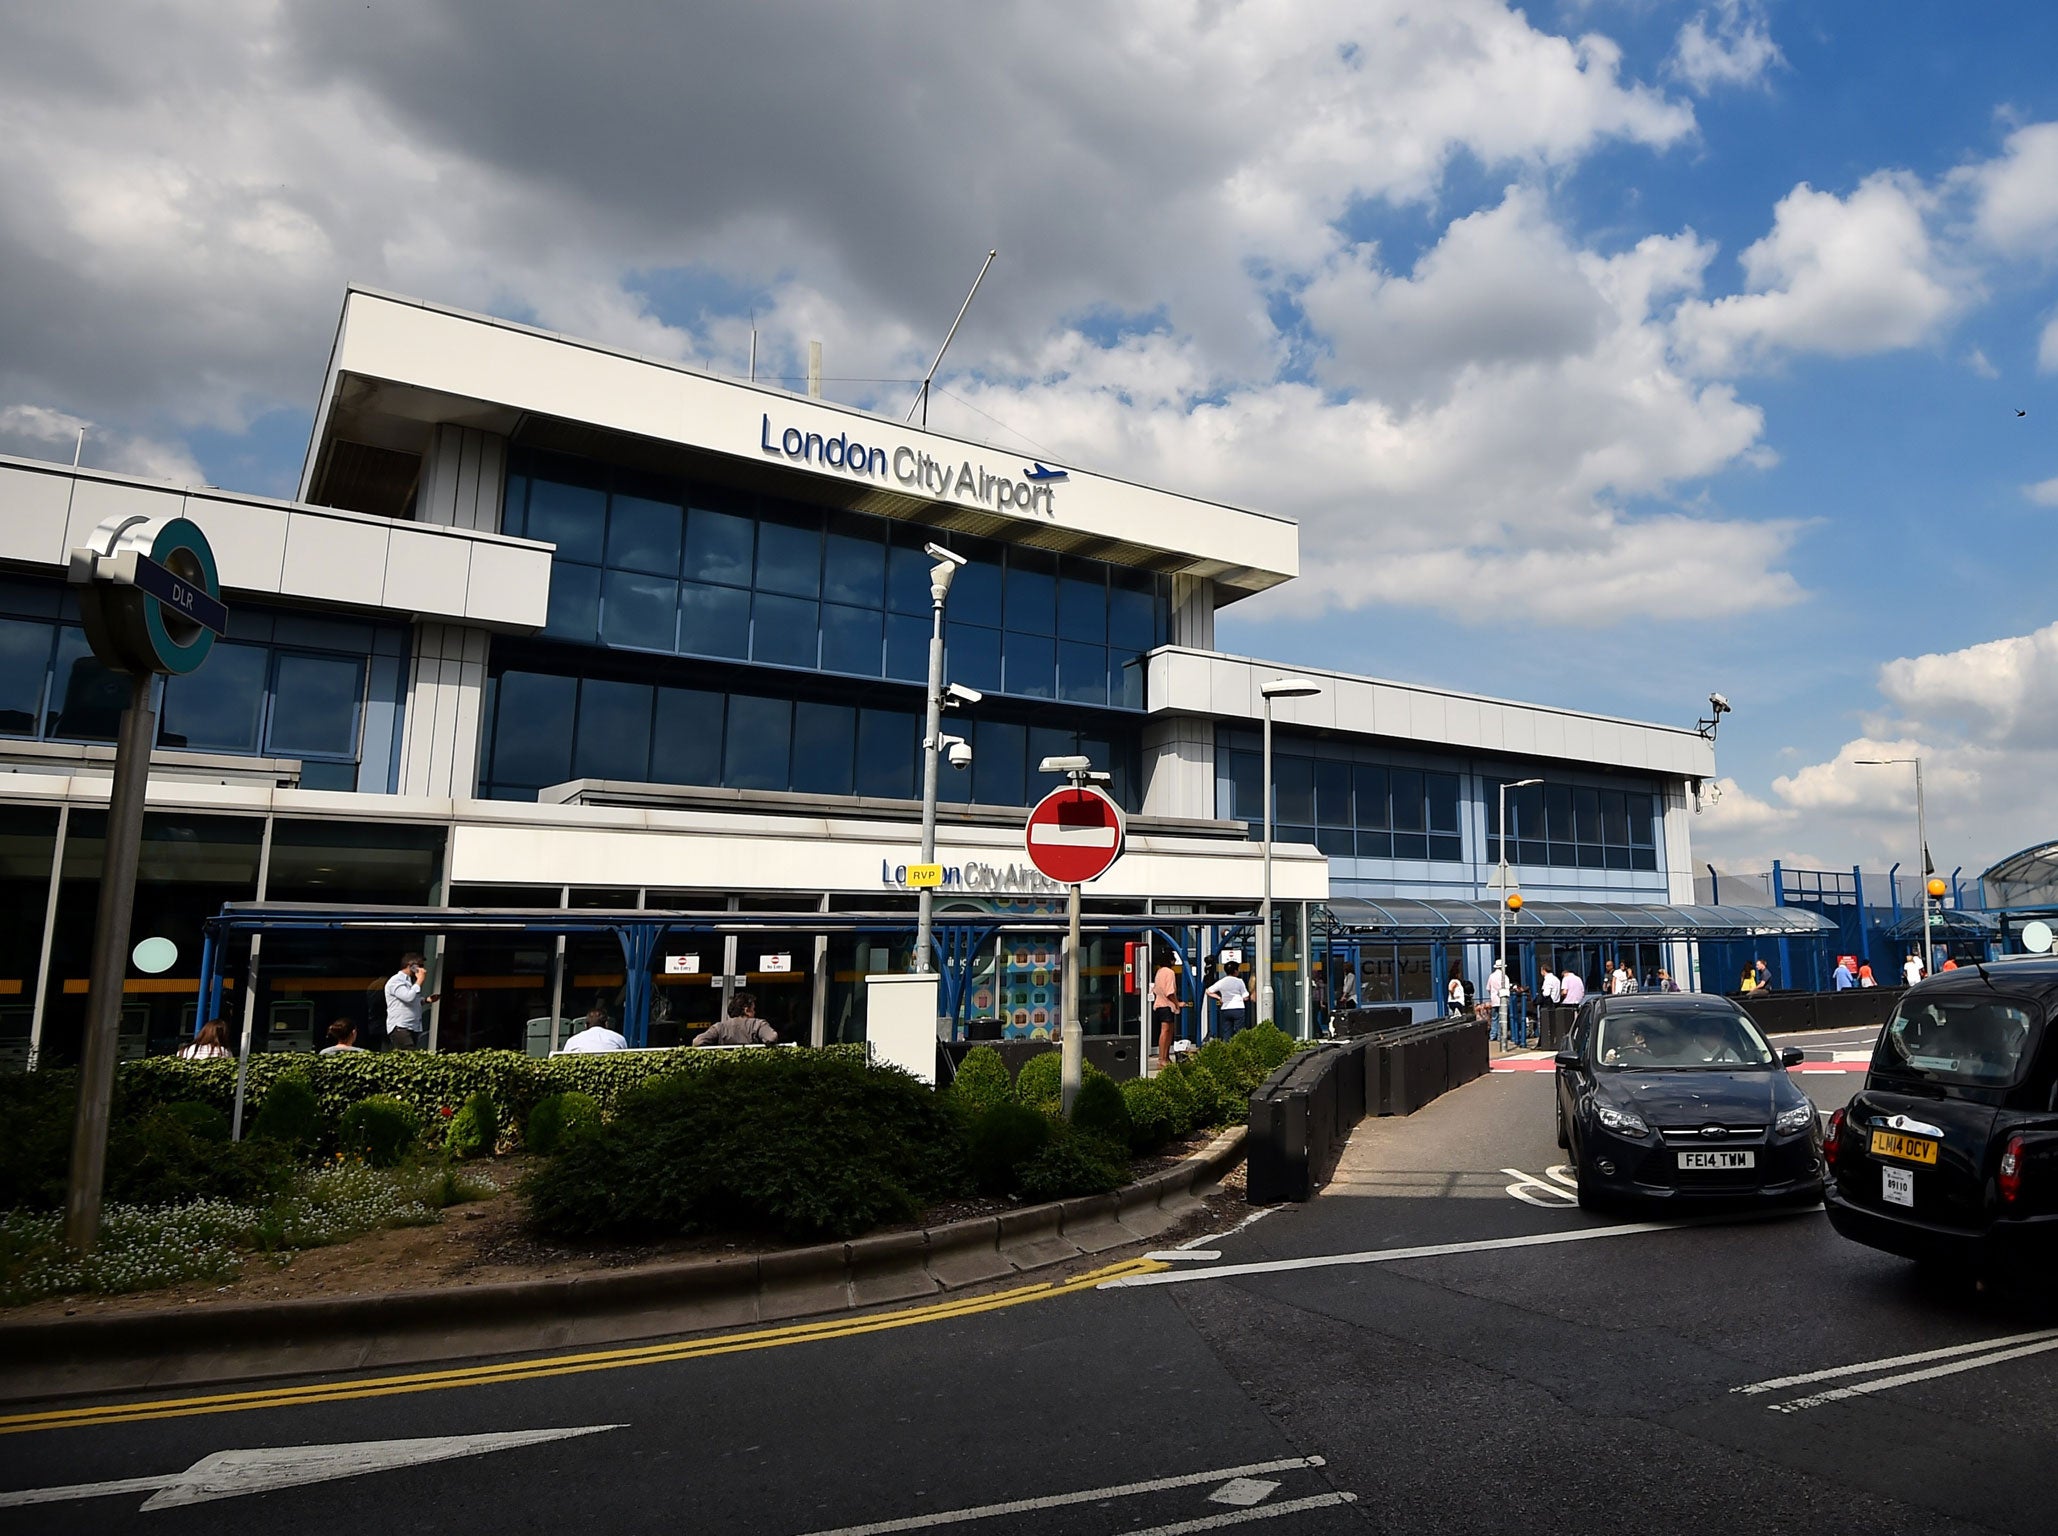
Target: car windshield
1975, 1042
1702, 1040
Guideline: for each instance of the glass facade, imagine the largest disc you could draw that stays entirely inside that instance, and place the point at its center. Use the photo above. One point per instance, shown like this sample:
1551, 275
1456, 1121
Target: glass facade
694, 569
1574, 826
323, 689
547, 727
1348, 809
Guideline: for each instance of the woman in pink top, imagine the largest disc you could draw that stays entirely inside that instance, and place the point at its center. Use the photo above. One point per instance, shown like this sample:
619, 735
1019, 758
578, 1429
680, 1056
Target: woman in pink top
1164, 1010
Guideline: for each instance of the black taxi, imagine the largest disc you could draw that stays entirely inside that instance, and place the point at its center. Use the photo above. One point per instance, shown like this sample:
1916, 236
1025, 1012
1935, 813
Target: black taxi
1949, 1153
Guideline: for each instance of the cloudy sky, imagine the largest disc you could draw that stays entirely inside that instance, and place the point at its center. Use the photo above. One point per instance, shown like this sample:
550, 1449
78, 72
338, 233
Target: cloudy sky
1609, 351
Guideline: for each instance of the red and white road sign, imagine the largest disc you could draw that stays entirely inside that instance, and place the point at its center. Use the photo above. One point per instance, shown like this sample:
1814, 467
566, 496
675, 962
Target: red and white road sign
1075, 834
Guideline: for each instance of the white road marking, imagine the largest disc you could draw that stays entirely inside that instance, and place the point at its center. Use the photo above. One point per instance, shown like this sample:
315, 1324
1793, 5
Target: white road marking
1245, 1516
226, 1474
1545, 1195
1394, 1255
1243, 1492
1863, 1388
1208, 1237
1185, 1255
1091, 1496
1560, 1174
1866, 1367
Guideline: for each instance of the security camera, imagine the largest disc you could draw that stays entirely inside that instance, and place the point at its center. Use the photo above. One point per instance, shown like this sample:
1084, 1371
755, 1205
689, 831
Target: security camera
938, 552
1064, 765
1718, 703
958, 750
958, 693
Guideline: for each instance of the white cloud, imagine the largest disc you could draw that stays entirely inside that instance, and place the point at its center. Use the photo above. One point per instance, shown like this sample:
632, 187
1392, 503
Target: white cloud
2047, 348
2016, 193
1728, 44
2044, 493
1843, 276
38, 432
1976, 360
2002, 692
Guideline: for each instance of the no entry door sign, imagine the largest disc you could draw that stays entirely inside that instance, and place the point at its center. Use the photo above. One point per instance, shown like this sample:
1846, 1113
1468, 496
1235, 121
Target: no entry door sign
1075, 834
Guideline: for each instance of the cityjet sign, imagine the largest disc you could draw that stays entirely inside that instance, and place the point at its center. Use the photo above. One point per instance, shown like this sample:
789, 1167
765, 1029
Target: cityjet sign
1027, 494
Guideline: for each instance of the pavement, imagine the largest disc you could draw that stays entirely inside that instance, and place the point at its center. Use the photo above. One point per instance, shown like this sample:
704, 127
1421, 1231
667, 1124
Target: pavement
1437, 1342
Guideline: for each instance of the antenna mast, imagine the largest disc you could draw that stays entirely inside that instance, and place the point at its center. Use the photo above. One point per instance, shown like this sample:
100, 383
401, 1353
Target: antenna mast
922, 400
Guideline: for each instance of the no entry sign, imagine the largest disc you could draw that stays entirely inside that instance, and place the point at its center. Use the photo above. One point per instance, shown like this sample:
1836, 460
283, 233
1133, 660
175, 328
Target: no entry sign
1075, 834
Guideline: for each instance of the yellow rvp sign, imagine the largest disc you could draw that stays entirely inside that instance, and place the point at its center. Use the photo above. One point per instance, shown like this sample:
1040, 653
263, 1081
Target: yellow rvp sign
921, 876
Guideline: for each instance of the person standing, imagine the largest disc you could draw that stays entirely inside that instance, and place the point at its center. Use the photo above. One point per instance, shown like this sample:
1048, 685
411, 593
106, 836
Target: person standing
741, 1027
1572, 988
1842, 979
1911, 969
1165, 1007
1454, 994
1497, 1001
1232, 999
1866, 978
1318, 1000
1551, 989
1764, 975
1347, 989
404, 1000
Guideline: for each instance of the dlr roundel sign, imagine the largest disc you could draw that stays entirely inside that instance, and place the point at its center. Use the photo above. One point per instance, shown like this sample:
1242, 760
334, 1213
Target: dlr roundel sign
1075, 834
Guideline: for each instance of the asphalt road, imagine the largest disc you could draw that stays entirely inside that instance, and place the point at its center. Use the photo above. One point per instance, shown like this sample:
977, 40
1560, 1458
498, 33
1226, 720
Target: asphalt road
1517, 1376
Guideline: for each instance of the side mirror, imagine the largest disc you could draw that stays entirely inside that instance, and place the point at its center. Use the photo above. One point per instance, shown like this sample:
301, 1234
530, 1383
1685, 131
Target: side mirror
1567, 1058
1792, 1056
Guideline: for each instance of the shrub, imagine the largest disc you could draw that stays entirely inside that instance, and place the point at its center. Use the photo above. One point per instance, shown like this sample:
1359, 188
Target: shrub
1219, 1062
558, 1116
203, 1121
1179, 1100
1073, 1163
1272, 1044
160, 1160
1149, 1109
1041, 1080
379, 1130
1213, 1102
289, 1116
475, 1128
1099, 1109
1000, 1139
36, 1112
982, 1080
804, 1143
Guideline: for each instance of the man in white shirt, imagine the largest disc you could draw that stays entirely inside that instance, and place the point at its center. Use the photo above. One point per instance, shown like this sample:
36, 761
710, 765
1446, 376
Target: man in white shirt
1233, 997
404, 1001
1572, 989
598, 1035
1911, 971
1497, 1000
1550, 988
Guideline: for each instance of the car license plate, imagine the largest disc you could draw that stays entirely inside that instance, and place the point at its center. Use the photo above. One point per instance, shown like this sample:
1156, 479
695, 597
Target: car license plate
1915, 1149
1899, 1186
1717, 1160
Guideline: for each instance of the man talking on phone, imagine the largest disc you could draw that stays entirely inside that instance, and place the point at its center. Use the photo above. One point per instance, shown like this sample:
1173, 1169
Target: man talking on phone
404, 1001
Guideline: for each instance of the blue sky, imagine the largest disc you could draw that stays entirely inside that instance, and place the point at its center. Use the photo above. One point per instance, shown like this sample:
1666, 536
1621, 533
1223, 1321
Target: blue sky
1608, 352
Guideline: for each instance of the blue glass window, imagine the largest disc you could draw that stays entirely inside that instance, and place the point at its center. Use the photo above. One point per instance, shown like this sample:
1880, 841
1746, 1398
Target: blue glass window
1369, 790
1082, 603
686, 743
972, 656
718, 546
1407, 804
1132, 613
574, 603
645, 535
573, 517
1046, 741
614, 731
1082, 673
854, 570
24, 665
1032, 594
713, 621
1293, 789
1332, 794
316, 704
786, 631
999, 763
907, 647
220, 707
1442, 790
888, 746
532, 729
1243, 770
852, 640
824, 748
86, 700
759, 747
907, 579
789, 556
1030, 665
639, 612
1375, 845
1125, 684
975, 592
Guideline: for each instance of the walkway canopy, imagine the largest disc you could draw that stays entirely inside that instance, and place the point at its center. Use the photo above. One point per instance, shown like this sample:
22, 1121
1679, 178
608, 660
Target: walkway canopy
1451, 921
2025, 881
1949, 923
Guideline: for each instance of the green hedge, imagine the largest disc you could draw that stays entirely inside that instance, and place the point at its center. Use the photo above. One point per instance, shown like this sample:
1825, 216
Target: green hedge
429, 1084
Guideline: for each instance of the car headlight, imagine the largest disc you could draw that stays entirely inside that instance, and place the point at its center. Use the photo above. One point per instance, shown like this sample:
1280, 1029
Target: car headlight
1623, 1122
1799, 1118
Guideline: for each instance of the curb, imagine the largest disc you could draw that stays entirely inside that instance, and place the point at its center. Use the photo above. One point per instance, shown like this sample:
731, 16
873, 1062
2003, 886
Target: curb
656, 1298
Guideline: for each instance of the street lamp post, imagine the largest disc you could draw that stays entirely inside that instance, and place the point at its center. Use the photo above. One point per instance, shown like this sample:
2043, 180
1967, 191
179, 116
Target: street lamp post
1921, 844
1277, 688
1507, 976
940, 575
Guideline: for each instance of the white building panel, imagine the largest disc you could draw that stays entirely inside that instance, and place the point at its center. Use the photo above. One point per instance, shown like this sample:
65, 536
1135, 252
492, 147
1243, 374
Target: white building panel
510, 587
424, 572
249, 541
33, 509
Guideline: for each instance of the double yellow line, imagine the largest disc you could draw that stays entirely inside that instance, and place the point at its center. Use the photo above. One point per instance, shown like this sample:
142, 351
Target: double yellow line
566, 1365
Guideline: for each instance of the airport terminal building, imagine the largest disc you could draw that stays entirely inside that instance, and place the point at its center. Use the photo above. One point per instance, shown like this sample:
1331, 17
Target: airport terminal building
554, 628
